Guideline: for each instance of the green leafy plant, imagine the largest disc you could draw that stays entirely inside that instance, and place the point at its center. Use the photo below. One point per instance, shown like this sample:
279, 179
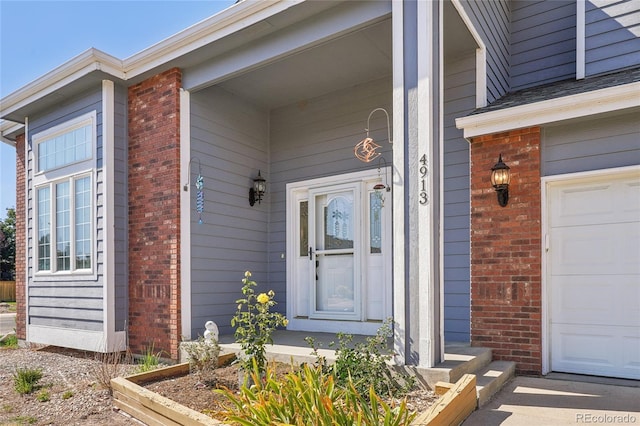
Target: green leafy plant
255, 323
25, 380
67, 394
308, 397
43, 395
202, 356
149, 360
365, 365
9, 341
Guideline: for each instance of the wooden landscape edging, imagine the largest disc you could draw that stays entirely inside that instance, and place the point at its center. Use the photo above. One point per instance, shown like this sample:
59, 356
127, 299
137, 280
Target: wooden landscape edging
152, 408
457, 401
454, 406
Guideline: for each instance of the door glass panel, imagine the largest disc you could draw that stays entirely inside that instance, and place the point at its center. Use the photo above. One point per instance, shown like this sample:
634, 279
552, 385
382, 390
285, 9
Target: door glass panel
334, 288
303, 220
375, 222
334, 267
338, 220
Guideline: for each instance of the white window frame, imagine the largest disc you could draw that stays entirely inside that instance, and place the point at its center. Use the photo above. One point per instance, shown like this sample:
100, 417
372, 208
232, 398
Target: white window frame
84, 120
50, 178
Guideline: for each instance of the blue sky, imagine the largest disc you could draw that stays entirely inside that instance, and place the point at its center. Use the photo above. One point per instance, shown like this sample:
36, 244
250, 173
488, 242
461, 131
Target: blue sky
38, 36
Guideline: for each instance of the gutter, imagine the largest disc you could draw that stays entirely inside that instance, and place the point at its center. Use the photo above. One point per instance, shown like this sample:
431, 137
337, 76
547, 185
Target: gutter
9, 127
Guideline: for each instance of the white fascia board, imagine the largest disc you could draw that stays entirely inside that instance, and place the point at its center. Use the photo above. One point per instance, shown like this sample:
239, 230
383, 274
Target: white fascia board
240, 15
87, 62
553, 110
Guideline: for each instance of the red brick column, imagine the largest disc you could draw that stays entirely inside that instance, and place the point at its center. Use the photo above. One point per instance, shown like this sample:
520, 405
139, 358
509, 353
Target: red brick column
154, 214
21, 241
506, 250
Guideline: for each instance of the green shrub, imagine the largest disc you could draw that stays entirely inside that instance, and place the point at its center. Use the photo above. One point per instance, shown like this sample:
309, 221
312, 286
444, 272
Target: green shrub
25, 380
67, 394
202, 357
43, 396
365, 365
308, 397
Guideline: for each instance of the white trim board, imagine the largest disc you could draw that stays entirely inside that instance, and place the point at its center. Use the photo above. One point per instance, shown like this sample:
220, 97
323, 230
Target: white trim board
94, 341
553, 110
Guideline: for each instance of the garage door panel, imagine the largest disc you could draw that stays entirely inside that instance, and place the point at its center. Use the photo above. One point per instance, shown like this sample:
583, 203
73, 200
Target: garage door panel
596, 300
596, 249
582, 300
595, 203
597, 350
574, 205
593, 275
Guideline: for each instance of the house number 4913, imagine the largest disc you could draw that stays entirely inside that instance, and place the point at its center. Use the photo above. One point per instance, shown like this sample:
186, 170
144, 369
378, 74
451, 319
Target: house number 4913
424, 198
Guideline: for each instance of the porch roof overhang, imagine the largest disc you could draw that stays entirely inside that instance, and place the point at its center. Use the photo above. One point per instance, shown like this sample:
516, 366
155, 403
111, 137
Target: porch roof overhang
554, 103
242, 21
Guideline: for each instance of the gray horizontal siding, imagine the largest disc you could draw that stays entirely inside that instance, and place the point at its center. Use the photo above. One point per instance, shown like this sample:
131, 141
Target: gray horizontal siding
543, 42
229, 141
612, 39
491, 20
591, 145
459, 100
56, 302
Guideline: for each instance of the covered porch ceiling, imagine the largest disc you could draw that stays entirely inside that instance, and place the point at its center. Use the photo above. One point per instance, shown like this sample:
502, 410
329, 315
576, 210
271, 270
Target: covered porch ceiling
348, 60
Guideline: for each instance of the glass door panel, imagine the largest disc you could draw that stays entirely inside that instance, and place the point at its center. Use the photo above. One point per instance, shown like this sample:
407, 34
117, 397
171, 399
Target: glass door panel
334, 236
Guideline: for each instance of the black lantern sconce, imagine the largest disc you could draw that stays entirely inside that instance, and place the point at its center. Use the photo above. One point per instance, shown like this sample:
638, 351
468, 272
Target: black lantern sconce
258, 189
500, 179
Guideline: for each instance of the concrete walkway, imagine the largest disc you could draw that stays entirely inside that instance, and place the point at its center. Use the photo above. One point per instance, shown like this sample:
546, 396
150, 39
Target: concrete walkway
528, 401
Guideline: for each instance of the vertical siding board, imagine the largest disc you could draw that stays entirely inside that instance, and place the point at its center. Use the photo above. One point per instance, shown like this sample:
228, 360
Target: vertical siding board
608, 24
42, 310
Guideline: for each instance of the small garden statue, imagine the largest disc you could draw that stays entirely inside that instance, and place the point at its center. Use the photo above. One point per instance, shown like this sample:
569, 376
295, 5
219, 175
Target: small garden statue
211, 332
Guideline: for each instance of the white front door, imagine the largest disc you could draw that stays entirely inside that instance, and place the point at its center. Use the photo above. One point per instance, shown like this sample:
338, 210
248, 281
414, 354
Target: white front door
593, 274
334, 251
339, 254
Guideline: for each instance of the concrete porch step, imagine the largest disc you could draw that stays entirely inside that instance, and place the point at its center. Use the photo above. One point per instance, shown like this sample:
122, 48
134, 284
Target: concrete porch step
491, 378
458, 360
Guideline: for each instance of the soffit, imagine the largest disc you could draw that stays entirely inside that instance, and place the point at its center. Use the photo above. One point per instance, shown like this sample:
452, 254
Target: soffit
346, 61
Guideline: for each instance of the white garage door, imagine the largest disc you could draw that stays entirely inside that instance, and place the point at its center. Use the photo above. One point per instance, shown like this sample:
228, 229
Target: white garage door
593, 275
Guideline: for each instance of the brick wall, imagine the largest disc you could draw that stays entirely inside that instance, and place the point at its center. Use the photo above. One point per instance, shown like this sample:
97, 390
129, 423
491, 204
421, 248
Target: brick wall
154, 214
21, 242
506, 251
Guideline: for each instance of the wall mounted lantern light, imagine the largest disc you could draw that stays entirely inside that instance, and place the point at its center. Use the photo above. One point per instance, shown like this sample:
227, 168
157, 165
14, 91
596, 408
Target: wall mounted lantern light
366, 149
500, 179
258, 189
